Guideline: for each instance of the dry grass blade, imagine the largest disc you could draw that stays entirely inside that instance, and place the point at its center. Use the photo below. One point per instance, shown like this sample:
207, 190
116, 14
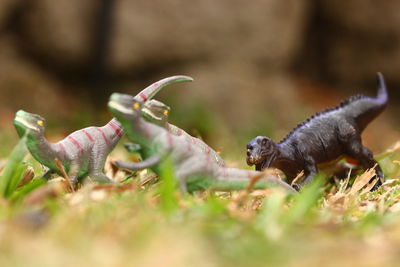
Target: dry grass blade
298, 178
113, 167
112, 170
112, 188
393, 148
362, 180
148, 179
253, 181
64, 173
369, 186
27, 177
238, 199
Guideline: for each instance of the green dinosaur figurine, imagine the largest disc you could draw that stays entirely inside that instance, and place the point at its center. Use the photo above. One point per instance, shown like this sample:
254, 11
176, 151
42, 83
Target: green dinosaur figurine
84, 152
194, 167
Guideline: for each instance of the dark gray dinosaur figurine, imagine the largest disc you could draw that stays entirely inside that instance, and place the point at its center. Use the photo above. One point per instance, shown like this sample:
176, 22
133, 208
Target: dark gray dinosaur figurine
84, 152
194, 167
324, 137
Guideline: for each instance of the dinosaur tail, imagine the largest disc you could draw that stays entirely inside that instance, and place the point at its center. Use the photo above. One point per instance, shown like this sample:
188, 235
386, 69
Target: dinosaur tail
135, 166
364, 109
150, 91
382, 95
235, 179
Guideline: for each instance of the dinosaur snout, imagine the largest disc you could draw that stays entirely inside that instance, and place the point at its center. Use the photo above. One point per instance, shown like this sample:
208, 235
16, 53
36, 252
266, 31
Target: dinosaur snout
251, 158
249, 150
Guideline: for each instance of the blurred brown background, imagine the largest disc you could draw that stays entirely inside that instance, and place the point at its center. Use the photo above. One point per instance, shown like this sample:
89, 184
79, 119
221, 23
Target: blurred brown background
260, 67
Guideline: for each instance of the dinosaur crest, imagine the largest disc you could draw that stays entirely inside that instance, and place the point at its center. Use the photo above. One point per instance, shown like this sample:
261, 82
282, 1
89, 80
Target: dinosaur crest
341, 105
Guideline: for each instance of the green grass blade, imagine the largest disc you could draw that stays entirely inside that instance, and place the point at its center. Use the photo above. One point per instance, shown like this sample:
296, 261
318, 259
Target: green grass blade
168, 199
12, 171
26, 189
269, 218
16, 179
303, 203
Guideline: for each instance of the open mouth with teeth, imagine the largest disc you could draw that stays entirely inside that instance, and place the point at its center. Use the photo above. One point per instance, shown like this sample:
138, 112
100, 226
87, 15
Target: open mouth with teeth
155, 110
259, 162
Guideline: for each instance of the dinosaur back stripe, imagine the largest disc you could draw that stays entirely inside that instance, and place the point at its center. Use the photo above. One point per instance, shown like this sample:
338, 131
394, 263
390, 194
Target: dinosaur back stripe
189, 146
76, 143
62, 149
169, 140
143, 97
88, 135
116, 129
104, 135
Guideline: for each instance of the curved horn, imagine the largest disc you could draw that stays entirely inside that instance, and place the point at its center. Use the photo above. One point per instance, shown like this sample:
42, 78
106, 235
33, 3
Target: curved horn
150, 91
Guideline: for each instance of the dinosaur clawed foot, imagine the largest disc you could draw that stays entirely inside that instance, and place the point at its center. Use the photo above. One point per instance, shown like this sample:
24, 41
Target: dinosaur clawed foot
377, 184
296, 187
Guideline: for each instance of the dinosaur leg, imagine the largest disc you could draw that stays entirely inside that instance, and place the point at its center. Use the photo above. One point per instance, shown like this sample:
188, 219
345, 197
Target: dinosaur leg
73, 174
182, 183
101, 178
135, 166
310, 171
366, 159
181, 174
192, 166
96, 169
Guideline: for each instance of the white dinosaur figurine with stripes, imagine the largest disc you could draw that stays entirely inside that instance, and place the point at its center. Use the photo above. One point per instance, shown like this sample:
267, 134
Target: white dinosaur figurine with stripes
84, 152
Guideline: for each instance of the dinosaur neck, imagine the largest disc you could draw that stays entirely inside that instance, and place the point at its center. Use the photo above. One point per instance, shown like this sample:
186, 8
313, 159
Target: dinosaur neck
282, 153
42, 150
142, 132
286, 160
115, 130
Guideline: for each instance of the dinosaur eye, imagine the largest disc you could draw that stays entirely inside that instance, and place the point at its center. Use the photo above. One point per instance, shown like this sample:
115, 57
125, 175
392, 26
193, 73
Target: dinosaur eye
264, 142
136, 106
40, 123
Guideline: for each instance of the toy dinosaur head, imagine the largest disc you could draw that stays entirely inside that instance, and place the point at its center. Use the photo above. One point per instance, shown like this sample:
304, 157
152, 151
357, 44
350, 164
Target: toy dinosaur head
28, 123
261, 151
124, 106
156, 112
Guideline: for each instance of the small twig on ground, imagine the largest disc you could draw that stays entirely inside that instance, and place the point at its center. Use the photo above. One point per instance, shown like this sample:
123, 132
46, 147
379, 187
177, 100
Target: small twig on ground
298, 178
28, 175
253, 181
63, 172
